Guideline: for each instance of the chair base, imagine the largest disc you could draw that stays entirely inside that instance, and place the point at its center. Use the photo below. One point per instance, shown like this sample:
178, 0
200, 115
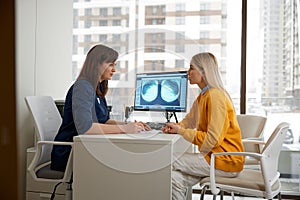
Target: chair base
205, 190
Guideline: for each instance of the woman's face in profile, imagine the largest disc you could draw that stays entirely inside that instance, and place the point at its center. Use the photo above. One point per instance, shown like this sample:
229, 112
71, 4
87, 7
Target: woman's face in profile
194, 75
108, 72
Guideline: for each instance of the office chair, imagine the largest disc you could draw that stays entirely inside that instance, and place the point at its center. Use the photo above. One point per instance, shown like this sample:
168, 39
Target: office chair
251, 182
252, 127
47, 121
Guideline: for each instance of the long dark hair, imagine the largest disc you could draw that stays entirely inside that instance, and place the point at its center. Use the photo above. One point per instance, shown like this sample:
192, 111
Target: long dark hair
91, 72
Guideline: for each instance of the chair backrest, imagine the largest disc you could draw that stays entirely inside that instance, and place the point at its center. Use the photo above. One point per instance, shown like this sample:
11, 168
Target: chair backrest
270, 152
47, 121
251, 126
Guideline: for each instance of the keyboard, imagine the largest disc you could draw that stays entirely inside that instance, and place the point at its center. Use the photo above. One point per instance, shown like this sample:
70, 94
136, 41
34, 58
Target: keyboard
156, 125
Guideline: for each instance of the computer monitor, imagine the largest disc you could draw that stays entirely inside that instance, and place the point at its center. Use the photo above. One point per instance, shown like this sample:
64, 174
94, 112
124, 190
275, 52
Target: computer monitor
161, 91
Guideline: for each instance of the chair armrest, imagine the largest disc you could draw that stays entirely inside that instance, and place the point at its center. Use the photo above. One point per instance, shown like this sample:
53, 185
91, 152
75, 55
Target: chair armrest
213, 187
251, 154
253, 141
39, 143
32, 167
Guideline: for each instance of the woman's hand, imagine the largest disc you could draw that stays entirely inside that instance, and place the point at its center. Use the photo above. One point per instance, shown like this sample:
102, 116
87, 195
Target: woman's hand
133, 127
144, 125
170, 128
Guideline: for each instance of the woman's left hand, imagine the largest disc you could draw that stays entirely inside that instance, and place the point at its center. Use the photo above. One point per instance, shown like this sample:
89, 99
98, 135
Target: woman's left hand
170, 128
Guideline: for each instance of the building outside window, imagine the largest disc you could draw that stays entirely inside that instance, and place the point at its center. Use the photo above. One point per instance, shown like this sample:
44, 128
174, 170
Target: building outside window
116, 23
117, 11
204, 20
179, 48
180, 7
103, 12
103, 23
180, 35
179, 64
204, 34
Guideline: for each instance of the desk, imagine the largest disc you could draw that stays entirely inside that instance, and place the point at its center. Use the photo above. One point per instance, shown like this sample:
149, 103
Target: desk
289, 161
124, 166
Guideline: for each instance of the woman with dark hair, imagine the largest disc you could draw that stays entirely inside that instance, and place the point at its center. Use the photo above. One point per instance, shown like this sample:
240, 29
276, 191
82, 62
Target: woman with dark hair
86, 110
211, 124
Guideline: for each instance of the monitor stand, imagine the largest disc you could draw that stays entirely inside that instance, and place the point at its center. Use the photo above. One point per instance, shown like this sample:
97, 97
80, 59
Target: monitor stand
169, 115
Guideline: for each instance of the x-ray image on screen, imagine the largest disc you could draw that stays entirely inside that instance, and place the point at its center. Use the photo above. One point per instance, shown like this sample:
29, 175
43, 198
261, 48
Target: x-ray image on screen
149, 90
170, 90
162, 91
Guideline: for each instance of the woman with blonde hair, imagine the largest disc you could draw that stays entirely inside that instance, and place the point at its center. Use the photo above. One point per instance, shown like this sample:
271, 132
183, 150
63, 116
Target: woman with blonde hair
211, 124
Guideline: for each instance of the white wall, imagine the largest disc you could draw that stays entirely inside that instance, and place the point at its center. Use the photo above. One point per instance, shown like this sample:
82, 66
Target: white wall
44, 61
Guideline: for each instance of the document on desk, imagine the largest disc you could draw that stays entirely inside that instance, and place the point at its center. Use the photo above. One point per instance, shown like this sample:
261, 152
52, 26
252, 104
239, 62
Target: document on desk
147, 134
153, 131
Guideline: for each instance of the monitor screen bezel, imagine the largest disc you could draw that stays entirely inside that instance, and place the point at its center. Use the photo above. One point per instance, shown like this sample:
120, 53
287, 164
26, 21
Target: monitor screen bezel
161, 109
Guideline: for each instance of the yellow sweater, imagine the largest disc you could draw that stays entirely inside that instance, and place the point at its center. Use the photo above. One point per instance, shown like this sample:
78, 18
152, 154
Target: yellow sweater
212, 125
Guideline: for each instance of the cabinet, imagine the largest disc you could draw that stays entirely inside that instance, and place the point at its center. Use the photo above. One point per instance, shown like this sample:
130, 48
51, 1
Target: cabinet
124, 166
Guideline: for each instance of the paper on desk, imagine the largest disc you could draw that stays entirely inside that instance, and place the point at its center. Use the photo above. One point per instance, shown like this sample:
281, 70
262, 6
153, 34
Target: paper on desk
153, 131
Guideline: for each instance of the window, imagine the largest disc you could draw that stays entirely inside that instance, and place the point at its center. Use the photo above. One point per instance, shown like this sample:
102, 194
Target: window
86, 49
154, 10
273, 79
75, 20
116, 37
204, 34
154, 65
87, 38
163, 10
117, 11
88, 12
151, 38
103, 38
154, 44
75, 45
180, 20
179, 36
87, 24
179, 64
179, 48
103, 12
271, 91
204, 20
180, 7
103, 23
203, 48
204, 6
116, 23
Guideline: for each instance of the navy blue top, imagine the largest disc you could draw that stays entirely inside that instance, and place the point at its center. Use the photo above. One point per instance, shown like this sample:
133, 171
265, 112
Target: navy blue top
82, 108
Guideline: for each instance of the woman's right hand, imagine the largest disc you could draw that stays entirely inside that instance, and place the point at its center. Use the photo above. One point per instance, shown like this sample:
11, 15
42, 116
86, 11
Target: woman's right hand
132, 127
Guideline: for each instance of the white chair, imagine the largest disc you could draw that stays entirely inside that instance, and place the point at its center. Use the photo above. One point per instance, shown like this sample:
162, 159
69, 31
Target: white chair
251, 182
47, 121
252, 127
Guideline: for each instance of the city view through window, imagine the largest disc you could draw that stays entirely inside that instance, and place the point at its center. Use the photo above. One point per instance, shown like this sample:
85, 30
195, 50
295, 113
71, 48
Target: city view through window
163, 35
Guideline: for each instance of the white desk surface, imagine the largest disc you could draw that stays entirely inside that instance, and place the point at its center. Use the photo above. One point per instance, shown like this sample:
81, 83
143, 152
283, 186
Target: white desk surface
151, 137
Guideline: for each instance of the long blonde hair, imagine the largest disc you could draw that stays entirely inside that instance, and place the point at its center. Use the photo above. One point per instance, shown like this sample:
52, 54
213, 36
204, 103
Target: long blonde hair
207, 64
